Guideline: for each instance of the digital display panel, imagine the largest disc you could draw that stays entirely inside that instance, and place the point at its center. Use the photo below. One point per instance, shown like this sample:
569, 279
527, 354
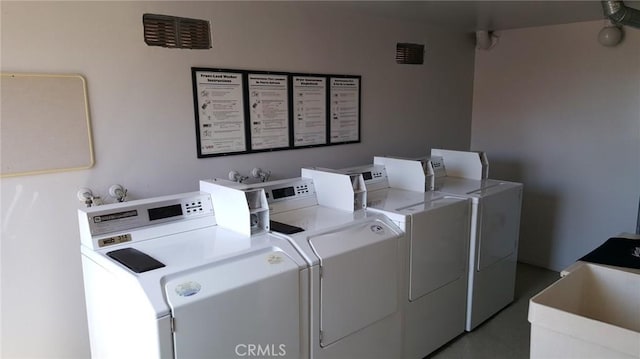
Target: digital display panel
165, 212
367, 176
283, 192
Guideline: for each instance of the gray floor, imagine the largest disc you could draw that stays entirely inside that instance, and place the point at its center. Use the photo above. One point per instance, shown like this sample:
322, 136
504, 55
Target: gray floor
505, 335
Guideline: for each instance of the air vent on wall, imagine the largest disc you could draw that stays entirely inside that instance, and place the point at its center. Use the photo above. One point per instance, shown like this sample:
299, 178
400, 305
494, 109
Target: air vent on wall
176, 32
412, 54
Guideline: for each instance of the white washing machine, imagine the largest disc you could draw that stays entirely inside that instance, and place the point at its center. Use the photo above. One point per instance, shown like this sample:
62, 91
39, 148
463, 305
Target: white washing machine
162, 280
436, 226
495, 227
354, 259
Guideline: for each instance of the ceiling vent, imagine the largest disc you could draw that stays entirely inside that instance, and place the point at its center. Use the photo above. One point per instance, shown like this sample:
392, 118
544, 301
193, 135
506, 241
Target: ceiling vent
176, 32
412, 54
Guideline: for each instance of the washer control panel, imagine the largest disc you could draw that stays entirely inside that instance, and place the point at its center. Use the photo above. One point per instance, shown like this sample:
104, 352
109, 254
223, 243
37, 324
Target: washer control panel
136, 214
374, 175
300, 188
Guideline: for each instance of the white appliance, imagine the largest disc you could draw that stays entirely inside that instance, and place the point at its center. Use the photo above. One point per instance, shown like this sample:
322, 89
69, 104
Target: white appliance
354, 258
495, 227
436, 227
162, 280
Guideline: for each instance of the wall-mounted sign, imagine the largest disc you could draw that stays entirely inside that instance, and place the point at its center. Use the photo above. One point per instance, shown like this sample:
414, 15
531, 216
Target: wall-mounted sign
220, 116
240, 111
345, 109
269, 111
309, 110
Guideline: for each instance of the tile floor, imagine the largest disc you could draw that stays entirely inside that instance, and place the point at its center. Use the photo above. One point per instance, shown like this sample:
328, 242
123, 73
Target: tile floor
505, 335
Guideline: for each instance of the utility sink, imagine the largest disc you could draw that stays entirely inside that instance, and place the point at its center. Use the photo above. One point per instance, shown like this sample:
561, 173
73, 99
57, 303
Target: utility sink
592, 312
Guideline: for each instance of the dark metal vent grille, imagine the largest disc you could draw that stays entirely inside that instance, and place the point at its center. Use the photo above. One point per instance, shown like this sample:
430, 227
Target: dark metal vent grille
176, 32
412, 54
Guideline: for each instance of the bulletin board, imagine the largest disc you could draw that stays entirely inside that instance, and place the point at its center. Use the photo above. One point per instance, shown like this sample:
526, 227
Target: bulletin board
44, 124
244, 111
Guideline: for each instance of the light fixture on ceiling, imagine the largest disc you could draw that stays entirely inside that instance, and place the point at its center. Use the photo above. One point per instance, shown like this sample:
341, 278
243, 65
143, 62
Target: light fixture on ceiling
619, 15
610, 35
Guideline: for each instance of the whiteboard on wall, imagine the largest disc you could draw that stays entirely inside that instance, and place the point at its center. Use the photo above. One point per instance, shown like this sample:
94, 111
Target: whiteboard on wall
44, 124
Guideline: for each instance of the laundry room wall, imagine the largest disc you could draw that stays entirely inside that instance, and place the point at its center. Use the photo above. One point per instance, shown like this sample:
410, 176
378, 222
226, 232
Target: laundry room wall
556, 110
141, 109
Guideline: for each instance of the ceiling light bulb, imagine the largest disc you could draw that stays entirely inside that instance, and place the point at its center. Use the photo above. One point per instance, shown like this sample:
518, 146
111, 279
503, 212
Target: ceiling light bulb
610, 35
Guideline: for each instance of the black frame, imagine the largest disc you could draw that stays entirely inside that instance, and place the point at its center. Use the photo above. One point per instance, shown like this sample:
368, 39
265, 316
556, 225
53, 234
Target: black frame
247, 117
248, 109
359, 78
326, 113
194, 71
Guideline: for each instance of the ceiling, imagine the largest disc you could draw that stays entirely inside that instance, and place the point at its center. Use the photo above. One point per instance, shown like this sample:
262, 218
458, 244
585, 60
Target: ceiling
486, 15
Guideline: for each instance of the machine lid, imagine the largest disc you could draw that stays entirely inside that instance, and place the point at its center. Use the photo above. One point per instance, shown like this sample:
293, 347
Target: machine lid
225, 307
350, 238
392, 200
225, 275
475, 188
187, 251
317, 218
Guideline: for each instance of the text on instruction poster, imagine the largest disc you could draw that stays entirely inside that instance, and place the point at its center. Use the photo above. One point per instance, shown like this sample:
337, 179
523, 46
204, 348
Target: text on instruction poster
345, 109
269, 111
220, 112
309, 111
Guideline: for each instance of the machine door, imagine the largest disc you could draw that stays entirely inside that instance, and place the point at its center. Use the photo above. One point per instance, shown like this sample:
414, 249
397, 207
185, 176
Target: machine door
359, 278
499, 226
439, 247
243, 307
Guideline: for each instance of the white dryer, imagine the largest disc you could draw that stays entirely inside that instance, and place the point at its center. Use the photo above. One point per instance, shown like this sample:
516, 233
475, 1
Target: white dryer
495, 227
436, 226
354, 263
162, 280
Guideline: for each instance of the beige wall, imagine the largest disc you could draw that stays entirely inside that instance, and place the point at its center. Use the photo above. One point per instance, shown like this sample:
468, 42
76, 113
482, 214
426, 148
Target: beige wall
561, 113
141, 105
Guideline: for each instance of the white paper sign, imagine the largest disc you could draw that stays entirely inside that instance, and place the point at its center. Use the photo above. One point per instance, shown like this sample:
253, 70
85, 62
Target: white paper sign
345, 109
269, 111
220, 112
309, 110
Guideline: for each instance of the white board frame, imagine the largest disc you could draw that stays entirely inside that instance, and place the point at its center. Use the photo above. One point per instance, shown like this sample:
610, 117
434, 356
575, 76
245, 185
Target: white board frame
44, 124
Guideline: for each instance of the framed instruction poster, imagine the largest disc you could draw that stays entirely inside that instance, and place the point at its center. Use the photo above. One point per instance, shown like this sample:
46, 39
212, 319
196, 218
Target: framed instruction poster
269, 110
345, 109
247, 111
309, 110
220, 112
